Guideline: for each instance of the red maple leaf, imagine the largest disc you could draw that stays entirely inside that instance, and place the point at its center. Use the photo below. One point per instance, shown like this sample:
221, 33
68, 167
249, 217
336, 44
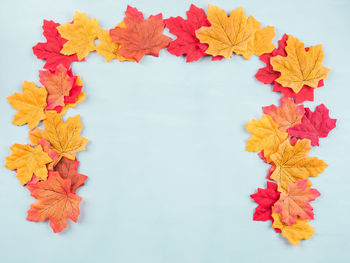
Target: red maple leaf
187, 42
140, 37
50, 50
314, 125
68, 169
265, 198
55, 202
268, 76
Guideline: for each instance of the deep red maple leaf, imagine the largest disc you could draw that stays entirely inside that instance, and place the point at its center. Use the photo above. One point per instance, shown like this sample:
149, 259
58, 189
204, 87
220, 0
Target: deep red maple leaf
68, 169
268, 76
314, 125
265, 198
140, 37
186, 42
50, 50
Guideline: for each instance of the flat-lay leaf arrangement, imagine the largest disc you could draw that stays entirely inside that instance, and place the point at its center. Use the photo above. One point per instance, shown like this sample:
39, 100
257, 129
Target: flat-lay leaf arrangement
283, 137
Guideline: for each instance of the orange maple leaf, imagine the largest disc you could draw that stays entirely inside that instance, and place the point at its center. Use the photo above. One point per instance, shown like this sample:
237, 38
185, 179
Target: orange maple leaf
55, 202
68, 169
295, 202
58, 84
140, 37
287, 115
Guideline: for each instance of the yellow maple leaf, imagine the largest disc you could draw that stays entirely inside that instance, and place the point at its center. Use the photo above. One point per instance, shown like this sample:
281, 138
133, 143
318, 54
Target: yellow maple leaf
266, 136
300, 67
108, 48
234, 34
294, 233
80, 34
292, 163
262, 41
64, 137
30, 105
27, 161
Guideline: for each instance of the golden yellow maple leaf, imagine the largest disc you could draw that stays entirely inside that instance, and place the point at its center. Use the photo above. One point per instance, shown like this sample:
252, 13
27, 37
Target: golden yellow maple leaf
234, 34
108, 48
300, 67
64, 137
80, 34
27, 161
262, 41
292, 163
294, 233
30, 105
266, 136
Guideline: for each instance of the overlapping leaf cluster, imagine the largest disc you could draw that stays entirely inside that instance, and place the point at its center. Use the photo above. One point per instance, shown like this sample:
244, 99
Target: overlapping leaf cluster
282, 137
48, 166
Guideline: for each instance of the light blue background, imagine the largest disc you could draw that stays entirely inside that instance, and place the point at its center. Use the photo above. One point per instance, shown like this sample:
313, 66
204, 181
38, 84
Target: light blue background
169, 180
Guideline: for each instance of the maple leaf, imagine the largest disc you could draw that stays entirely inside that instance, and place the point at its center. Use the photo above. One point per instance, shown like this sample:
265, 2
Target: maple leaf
58, 85
295, 202
76, 88
272, 167
265, 198
287, 115
292, 163
80, 34
74, 98
234, 34
53, 154
79, 99
30, 105
55, 202
140, 37
314, 125
68, 169
261, 43
63, 137
300, 67
108, 48
186, 42
27, 161
268, 76
50, 50
294, 233
266, 136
